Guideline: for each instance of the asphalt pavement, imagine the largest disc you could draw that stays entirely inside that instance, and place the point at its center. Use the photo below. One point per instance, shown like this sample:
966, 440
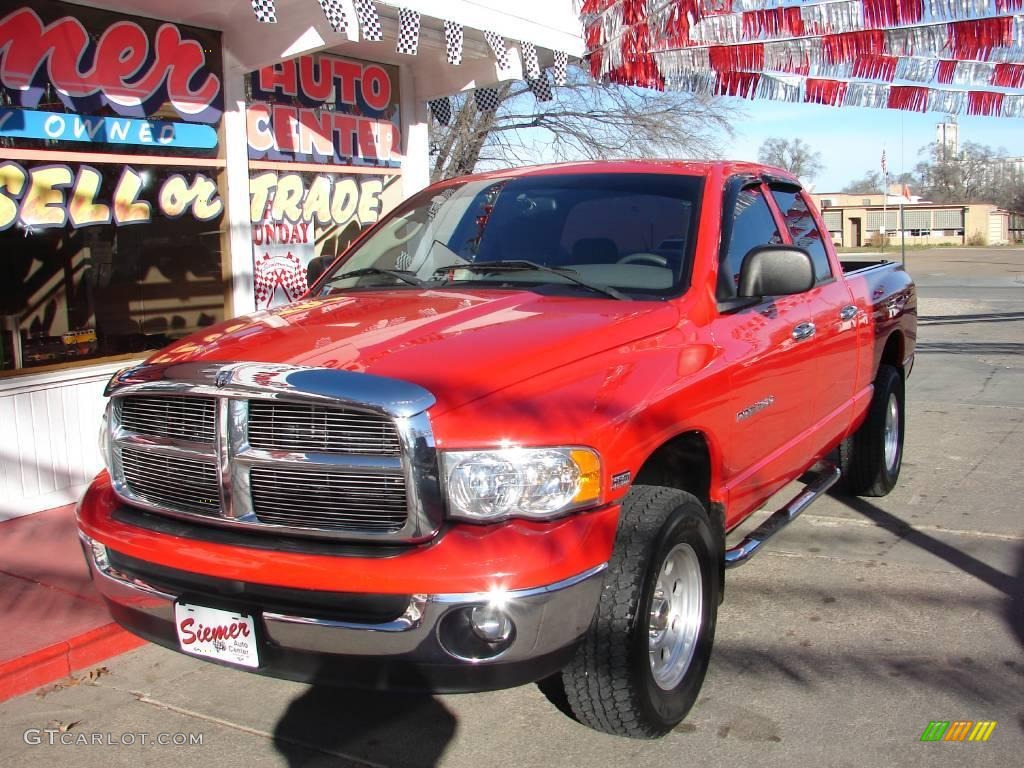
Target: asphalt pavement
860, 624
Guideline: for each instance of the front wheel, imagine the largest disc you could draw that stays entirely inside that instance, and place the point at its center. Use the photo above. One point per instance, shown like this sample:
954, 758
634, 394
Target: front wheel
641, 664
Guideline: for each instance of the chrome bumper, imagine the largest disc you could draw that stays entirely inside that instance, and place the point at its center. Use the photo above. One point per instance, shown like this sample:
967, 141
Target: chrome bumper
547, 619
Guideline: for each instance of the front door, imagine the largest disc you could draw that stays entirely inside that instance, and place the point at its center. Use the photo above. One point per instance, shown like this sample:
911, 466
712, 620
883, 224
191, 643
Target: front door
855, 233
770, 366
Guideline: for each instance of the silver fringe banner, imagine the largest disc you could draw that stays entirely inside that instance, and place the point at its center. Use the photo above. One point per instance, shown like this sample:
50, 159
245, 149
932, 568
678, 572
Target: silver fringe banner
828, 18
1013, 105
916, 70
955, 10
674, 64
787, 55
973, 73
700, 83
779, 89
875, 95
718, 29
840, 70
917, 41
951, 102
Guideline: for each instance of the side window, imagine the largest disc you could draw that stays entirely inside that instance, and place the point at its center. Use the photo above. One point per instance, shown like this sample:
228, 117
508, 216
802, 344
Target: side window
752, 225
803, 230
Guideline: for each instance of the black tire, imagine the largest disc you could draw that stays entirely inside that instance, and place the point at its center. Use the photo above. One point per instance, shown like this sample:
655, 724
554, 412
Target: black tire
867, 469
610, 684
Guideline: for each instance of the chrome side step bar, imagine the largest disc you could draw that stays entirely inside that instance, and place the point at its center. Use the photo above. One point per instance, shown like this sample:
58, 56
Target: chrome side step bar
825, 478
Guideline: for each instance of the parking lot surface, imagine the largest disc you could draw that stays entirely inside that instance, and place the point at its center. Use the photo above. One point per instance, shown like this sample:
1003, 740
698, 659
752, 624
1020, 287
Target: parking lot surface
860, 624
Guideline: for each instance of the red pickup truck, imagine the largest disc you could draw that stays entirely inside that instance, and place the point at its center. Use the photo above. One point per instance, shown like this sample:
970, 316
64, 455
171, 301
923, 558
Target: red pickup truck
503, 438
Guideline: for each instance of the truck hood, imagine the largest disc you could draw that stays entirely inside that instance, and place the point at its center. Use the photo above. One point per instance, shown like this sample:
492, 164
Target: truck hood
458, 344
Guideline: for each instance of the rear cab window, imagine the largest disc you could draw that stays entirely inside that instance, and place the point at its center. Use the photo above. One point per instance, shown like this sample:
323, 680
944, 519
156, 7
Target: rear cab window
803, 230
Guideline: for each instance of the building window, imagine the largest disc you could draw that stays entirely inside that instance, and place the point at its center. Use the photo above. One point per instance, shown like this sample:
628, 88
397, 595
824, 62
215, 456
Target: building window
111, 216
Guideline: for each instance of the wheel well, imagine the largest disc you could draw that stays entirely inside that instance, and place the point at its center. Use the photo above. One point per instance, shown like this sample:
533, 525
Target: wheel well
684, 462
892, 354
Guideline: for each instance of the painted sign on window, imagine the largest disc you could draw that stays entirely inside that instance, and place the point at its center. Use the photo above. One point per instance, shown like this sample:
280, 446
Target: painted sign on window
60, 63
321, 108
301, 221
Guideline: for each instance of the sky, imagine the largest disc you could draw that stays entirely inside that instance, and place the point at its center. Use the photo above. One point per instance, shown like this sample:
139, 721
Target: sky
851, 139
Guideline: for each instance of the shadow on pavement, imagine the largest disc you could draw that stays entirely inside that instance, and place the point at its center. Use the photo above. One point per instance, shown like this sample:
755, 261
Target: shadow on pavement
1011, 585
328, 726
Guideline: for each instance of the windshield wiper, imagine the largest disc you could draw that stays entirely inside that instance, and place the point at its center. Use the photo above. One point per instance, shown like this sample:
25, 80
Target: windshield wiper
405, 277
522, 265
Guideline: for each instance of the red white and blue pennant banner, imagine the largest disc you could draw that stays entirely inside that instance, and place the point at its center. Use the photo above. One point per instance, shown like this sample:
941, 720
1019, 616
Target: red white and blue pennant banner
886, 53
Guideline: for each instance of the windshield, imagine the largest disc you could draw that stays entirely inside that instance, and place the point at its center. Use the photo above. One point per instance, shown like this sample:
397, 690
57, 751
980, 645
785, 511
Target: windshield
631, 233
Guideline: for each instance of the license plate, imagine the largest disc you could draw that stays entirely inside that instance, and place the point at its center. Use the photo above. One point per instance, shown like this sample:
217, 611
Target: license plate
216, 634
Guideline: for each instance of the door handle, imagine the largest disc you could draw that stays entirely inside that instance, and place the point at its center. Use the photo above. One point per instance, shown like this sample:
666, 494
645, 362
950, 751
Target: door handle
848, 312
803, 331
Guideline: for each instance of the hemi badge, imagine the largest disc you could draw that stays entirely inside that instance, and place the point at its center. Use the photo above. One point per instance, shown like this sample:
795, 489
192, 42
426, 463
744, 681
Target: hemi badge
621, 479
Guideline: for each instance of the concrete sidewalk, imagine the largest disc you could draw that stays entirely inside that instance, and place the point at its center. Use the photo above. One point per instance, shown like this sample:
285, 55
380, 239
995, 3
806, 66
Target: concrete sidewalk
54, 622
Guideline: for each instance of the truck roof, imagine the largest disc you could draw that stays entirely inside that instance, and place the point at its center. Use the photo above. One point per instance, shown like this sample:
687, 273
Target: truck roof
666, 166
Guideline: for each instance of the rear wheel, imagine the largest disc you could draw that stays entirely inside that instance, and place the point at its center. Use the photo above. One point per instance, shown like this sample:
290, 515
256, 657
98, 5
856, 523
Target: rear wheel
871, 457
642, 662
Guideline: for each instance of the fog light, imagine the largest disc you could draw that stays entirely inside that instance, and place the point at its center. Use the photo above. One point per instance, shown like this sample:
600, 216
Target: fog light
490, 623
99, 555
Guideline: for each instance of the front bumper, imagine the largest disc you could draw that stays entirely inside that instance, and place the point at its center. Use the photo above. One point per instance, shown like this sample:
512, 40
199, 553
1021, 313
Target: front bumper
420, 649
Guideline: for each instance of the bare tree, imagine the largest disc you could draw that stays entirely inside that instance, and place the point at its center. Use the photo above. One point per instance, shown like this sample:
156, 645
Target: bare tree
794, 155
585, 120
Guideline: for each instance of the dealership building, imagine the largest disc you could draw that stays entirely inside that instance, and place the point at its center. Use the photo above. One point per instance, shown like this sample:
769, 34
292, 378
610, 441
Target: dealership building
166, 166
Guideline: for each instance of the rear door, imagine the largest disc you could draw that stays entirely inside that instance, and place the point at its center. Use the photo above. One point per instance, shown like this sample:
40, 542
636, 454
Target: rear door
834, 316
770, 361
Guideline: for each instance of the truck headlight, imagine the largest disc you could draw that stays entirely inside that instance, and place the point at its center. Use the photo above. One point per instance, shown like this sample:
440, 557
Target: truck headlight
537, 483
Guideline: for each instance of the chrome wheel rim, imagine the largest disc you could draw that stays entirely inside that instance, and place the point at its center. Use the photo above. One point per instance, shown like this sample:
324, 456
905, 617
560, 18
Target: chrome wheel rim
892, 433
676, 609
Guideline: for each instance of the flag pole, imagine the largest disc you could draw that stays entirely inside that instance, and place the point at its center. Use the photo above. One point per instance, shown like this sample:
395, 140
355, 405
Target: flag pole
885, 199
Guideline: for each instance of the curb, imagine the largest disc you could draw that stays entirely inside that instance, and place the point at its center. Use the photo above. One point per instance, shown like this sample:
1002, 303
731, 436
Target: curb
28, 672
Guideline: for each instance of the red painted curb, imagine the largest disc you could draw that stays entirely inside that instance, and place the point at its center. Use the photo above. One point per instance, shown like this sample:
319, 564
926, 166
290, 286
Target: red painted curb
28, 672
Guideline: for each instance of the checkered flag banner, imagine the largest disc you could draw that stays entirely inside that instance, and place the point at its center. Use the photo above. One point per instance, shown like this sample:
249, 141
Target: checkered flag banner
540, 86
453, 39
369, 21
335, 13
408, 32
265, 11
530, 61
487, 99
497, 43
561, 68
441, 109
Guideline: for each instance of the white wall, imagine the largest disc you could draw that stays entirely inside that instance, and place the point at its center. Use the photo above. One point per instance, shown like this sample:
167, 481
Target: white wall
49, 423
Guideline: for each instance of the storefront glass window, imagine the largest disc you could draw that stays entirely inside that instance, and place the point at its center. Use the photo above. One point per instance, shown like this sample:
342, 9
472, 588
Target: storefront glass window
111, 207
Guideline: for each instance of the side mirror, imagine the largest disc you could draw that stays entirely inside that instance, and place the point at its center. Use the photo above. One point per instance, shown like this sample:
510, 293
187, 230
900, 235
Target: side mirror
316, 267
775, 270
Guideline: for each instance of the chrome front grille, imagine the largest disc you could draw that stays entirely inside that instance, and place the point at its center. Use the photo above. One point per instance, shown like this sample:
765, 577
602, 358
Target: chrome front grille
303, 451
330, 500
279, 426
181, 418
185, 485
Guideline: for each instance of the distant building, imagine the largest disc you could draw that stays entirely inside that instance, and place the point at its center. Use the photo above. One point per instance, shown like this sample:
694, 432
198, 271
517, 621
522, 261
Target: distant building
947, 136
1000, 170
857, 220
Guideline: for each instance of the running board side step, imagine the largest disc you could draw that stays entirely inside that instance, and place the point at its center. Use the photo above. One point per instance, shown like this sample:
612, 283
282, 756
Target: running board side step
825, 477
